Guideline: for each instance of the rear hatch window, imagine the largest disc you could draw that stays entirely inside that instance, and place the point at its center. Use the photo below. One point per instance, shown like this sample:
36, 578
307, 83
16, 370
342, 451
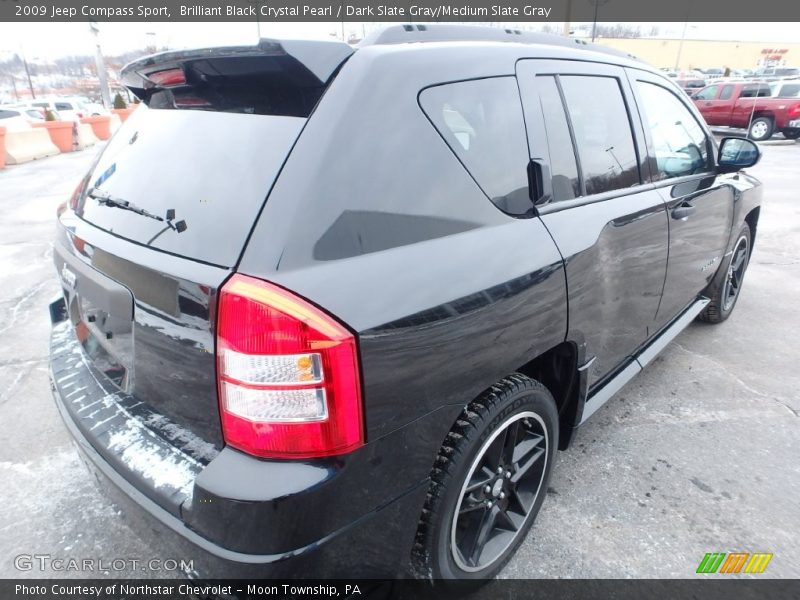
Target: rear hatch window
205, 173
190, 169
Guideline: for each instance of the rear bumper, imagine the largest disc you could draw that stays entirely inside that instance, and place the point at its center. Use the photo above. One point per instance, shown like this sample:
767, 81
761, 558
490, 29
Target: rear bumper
231, 514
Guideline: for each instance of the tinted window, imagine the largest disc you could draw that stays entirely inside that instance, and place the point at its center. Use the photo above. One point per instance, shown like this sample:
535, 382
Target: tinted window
707, 94
563, 168
161, 160
482, 123
753, 91
7, 114
63, 106
727, 92
789, 90
602, 132
679, 142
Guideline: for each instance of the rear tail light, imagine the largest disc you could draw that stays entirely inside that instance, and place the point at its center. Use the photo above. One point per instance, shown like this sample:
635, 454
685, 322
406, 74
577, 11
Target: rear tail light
287, 374
794, 111
168, 77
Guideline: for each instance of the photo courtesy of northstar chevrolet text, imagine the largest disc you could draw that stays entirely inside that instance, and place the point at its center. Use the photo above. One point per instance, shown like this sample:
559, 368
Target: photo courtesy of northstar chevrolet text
399, 300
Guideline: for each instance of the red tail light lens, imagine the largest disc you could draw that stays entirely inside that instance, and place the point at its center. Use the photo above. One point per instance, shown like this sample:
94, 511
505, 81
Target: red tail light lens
794, 111
287, 374
168, 77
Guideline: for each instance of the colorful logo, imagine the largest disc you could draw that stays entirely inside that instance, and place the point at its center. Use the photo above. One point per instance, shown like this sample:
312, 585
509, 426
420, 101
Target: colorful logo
734, 562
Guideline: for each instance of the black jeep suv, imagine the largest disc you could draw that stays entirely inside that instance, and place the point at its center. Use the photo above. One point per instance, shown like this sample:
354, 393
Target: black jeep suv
329, 311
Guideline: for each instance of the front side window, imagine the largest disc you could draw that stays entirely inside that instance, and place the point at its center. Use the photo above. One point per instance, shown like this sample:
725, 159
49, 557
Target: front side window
708, 93
679, 142
602, 130
726, 93
481, 121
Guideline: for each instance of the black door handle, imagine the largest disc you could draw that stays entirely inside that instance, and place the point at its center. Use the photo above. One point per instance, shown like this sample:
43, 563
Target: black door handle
682, 211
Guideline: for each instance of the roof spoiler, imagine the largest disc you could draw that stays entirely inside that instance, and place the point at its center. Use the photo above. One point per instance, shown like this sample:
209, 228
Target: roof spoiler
306, 64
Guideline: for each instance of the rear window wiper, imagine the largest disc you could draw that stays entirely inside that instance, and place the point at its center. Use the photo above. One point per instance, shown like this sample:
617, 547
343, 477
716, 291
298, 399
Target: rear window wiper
105, 199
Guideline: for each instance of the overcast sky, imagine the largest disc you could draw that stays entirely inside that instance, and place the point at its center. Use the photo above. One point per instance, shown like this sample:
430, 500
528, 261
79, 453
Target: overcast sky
51, 40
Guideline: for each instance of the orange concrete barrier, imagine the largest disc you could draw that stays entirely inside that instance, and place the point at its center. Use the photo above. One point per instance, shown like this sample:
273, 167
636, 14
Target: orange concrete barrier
115, 123
60, 133
84, 136
123, 113
28, 144
2, 147
101, 125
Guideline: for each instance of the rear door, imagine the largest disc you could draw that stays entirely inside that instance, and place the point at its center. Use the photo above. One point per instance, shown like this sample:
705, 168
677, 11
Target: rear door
610, 227
699, 204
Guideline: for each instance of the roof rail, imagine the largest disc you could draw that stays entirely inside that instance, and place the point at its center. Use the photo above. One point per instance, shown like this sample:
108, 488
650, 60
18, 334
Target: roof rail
401, 34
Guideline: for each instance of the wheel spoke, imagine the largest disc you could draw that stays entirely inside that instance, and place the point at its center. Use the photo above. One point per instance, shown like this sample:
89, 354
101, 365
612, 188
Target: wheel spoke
479, 479
525, 465
481, 534
494, 454
510, 442
470, 505
504, 521
526, 446
739, 259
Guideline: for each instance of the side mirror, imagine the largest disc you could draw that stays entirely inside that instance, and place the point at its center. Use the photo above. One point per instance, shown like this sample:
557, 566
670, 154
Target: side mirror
736, 154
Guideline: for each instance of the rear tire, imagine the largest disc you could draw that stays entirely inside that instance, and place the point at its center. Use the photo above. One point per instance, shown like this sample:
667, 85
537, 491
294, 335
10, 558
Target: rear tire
724, 290
488, 482
791, 134
761, 129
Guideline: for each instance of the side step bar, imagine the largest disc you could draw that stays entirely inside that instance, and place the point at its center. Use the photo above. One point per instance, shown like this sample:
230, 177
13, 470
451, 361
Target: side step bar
642, 359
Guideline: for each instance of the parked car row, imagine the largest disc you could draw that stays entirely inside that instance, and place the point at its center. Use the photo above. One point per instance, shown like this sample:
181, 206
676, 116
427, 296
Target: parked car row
63, 108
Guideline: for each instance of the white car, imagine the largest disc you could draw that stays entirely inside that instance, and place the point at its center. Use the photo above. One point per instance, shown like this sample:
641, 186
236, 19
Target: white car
69, 109
15, 118
789, 88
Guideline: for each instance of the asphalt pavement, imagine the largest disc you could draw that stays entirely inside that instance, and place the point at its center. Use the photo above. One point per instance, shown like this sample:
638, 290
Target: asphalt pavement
698, 454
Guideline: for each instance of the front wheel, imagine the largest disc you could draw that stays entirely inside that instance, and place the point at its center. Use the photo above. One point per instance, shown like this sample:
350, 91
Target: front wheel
724, 290
489, 482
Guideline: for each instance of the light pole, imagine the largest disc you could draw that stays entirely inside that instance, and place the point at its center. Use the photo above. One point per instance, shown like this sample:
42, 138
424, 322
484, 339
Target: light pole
101, 67
686, 26
596, 4
27, 73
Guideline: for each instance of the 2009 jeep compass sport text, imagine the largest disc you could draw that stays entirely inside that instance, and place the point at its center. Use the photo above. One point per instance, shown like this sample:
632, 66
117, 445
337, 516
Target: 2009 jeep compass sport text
331, 311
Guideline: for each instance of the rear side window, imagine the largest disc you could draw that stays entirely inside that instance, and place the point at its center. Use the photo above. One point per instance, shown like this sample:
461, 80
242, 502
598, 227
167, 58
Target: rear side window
563, 167
679, 142
482, 122
63, 106
727, 92
755, 91
602, 132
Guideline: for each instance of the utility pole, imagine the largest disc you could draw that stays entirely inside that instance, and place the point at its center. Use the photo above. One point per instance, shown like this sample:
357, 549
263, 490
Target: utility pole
14, 87
568, 9
101, 67
28, 73
596, 4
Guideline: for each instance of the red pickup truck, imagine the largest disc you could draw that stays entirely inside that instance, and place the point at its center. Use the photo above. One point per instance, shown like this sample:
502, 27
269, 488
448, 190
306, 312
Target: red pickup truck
748, 106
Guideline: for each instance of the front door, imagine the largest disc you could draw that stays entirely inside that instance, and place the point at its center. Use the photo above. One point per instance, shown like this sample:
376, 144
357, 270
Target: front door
699, 204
